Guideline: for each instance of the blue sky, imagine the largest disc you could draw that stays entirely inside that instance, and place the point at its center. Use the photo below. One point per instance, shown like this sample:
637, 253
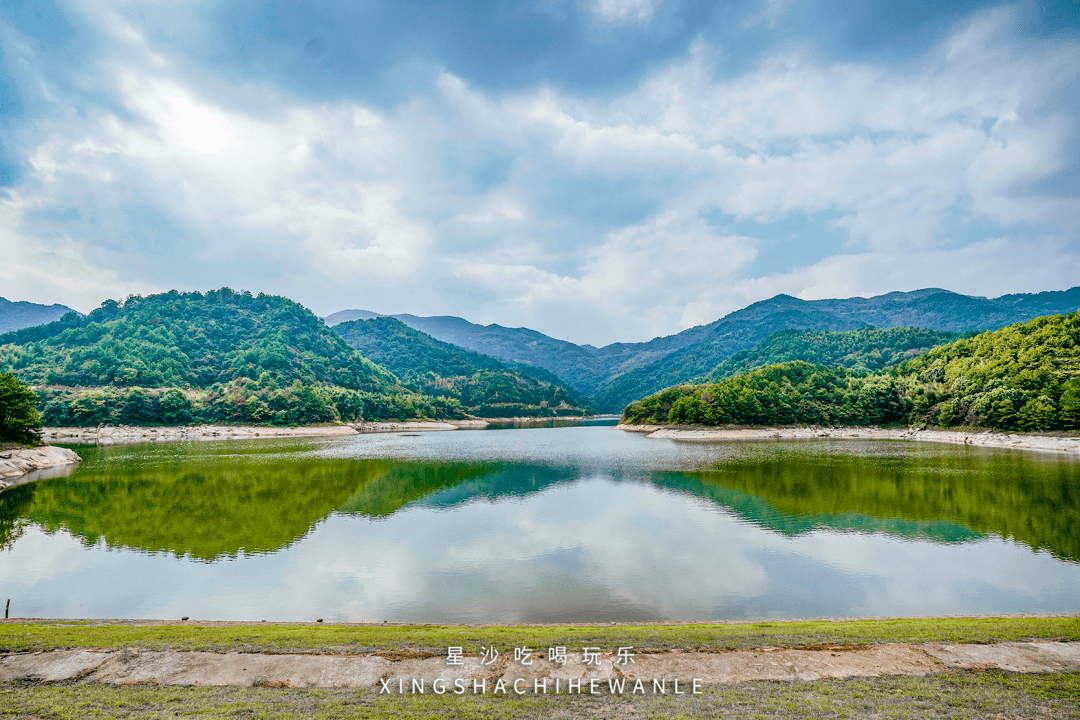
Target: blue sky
599, 170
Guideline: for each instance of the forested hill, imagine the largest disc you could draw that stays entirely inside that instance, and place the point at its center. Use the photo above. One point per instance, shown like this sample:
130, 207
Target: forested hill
863, 349
188, 340
483, 385
932, 308
19, 315
179, 358
1023, 377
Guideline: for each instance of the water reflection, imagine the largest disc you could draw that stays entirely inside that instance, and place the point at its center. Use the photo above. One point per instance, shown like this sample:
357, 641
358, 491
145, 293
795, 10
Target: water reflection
549, 525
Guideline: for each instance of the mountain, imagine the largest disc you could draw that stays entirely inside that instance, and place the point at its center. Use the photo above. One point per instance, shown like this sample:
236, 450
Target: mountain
1022, 377
189, 340
483, 385
347, 315
931, 308
583, 367
224, 356
615, 375
19, 315
577, 365
864, 349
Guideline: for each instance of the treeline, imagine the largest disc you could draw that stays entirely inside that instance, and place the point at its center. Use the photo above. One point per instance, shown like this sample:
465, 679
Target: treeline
863, 349
1023, 377
242, 402
483, 385
792, 393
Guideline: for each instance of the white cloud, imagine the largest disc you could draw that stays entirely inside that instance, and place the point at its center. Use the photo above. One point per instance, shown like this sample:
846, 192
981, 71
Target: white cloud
624, 12
669, 259
613, 206
54, 271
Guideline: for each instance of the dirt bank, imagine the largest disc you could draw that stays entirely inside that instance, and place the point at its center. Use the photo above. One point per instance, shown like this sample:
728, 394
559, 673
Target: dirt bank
133, 666
19, 465
986, 438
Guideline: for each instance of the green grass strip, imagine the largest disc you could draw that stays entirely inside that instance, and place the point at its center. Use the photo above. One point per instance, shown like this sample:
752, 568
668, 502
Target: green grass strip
22, 636
960, 695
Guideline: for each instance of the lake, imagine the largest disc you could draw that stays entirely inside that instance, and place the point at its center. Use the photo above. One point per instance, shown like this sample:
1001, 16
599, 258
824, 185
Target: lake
563, 524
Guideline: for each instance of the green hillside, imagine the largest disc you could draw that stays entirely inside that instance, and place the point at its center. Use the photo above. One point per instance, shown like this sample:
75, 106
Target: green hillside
1023, 377
743, 329
791, 393
483, 385
219, 357
863, 349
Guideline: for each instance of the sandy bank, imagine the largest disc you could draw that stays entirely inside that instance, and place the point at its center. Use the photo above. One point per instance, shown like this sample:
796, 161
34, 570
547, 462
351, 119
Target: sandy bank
18, 466
986, 438
133, 666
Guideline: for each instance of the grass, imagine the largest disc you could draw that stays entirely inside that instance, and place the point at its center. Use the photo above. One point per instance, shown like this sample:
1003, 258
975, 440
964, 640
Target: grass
961, 695
31, 635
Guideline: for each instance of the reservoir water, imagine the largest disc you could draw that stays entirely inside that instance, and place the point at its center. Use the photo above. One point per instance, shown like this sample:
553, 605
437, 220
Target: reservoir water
571, 524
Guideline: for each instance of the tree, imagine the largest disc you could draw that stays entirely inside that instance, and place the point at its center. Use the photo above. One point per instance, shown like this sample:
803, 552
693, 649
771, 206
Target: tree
1070, 406
20, 420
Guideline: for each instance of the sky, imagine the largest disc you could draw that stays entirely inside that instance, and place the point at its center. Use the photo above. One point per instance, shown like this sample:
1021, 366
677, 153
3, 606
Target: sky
598, 170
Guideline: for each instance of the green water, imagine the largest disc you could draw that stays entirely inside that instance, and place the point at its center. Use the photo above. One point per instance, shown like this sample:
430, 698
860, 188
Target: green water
552, 524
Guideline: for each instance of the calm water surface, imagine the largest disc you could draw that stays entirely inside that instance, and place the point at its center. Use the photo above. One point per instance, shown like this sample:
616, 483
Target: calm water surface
543, 525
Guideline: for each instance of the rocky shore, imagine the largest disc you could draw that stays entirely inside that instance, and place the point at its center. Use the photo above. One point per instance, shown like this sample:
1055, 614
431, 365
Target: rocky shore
122, 434
19, 465
986, 438
114, 434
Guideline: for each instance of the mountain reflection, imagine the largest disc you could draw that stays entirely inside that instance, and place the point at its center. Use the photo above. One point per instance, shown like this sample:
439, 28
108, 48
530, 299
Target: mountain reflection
1031, 498
213, 501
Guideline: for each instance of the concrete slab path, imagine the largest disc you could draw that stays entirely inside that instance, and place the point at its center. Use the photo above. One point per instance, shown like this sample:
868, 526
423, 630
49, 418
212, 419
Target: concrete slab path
135, 666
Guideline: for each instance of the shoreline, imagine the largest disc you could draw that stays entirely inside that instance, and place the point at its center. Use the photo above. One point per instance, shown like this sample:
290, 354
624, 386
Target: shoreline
18, 466
983, 438
126, 434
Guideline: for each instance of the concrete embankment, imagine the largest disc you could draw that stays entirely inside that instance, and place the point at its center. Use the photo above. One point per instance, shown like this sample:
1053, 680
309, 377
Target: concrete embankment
382, 673
986, 438
22, 465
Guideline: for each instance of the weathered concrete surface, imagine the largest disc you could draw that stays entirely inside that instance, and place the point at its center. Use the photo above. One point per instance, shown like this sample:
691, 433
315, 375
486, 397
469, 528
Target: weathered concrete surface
16, 463
1024, 657
786, 664
987, 438
52, 666
245, 669
126, 667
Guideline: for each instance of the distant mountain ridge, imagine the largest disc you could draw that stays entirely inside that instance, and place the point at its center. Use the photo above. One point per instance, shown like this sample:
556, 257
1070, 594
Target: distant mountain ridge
22, 314
618, 374
484, 385
931, 308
